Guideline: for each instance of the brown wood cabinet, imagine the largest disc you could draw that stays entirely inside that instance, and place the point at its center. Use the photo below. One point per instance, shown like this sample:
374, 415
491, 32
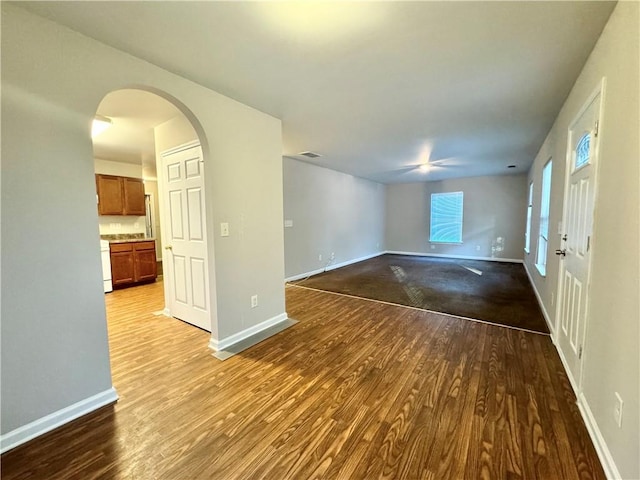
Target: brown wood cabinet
120, 195
133, 262
122, 270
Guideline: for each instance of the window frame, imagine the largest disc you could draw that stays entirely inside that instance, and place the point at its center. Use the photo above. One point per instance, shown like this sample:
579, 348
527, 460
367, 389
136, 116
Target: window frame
460, 221
543, 226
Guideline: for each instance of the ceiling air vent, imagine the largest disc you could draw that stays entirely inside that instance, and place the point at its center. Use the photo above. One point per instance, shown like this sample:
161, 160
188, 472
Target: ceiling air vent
309, 154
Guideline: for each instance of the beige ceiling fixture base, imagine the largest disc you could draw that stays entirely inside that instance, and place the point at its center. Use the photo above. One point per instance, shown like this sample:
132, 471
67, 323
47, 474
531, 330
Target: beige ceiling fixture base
309, 154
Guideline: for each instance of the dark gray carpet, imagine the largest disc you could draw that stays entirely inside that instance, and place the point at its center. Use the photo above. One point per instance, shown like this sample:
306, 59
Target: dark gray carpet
491, 291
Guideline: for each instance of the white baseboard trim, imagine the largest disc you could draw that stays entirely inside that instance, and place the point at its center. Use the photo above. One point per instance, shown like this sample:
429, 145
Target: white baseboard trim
355, 260
608, 464
545, 314
217, 345
457, 257
332, 267
303, 275
54, 420
166, 312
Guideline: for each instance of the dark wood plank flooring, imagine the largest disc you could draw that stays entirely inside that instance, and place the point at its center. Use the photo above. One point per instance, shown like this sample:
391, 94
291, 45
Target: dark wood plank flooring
355, 390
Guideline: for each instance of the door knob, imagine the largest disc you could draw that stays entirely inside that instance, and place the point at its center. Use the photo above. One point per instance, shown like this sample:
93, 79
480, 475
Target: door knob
561, 252
168, 247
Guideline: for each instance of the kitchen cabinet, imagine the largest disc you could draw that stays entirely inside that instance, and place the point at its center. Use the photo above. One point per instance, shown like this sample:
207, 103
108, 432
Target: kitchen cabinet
122, 271
133, 262
120, 195
144, 261
133, 194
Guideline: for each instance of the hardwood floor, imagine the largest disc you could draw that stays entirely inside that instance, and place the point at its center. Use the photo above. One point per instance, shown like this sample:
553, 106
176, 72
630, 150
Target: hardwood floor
357, 389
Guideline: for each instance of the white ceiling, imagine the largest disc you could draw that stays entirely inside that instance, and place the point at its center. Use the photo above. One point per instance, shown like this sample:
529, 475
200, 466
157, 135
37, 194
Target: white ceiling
134, 114
377, 88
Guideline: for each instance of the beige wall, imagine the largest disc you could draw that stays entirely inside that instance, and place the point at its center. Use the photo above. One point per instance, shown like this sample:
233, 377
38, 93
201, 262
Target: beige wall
170, 134
54, 336
493, 207
332, 212
611, 351
122, 169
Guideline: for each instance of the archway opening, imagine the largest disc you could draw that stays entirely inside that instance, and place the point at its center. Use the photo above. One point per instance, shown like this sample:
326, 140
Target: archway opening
148, 189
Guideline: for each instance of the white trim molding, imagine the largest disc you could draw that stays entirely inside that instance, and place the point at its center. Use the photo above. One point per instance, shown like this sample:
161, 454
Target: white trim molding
332, 267
217, 345
179, 148
608, 464
457, 257
545, 314
355, 260
54, 420
303, 275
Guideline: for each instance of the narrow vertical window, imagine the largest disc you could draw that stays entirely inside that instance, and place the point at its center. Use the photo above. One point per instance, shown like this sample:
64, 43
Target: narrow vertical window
446, 217
527, 233
543, 239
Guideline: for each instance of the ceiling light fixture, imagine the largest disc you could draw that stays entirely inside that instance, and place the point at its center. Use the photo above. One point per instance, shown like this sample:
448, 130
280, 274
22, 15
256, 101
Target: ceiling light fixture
99, 125
424, 168
310, 154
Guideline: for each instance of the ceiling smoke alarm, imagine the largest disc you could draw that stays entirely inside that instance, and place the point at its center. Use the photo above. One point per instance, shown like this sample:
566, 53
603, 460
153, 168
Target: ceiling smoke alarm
309, 154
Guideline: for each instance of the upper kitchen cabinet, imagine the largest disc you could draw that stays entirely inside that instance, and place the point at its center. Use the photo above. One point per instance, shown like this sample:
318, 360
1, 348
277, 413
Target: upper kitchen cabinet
133, 192
120, 195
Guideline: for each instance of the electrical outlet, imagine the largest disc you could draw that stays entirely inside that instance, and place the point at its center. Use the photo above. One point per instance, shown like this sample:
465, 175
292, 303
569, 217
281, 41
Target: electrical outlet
224, 229
378, 245
433, 247
333, 256
254, 301
617, 410
288, 223
320, 257
477, 248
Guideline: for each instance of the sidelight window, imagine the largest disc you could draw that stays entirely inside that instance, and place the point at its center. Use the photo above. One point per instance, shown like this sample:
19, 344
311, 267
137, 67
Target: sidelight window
527, 233
543, 238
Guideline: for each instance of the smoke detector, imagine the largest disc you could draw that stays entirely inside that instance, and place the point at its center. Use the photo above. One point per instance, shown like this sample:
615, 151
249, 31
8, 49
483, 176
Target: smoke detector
309, 154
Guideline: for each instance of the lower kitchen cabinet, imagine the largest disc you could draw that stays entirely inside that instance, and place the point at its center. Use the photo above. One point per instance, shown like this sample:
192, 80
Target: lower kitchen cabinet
133, 262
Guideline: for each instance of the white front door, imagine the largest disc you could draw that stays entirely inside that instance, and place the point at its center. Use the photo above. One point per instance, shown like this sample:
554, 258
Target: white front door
185, 240
577, 244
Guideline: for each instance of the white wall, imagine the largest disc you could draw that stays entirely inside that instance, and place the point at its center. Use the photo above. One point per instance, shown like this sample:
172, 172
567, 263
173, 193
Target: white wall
114, 224
54, 336
611, 351
120, 169
493, 207
332, 212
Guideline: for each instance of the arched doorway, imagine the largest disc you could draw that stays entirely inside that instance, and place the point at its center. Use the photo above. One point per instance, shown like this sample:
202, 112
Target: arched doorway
150, 153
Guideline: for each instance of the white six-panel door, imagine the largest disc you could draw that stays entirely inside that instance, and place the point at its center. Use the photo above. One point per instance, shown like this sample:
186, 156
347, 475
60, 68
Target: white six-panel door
577, 241
185, 256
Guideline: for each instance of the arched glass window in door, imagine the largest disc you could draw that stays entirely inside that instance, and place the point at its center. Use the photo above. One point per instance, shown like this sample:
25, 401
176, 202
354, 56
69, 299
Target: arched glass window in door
583, 151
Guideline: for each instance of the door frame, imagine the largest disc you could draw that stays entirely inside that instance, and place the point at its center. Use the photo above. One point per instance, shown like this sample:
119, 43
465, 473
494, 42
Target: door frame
599, 90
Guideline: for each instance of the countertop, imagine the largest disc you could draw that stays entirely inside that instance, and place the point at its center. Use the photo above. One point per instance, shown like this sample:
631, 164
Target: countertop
126, 237
128, 240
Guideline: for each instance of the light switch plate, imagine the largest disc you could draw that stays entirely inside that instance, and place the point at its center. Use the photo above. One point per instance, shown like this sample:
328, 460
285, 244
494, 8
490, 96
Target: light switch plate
224, 229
